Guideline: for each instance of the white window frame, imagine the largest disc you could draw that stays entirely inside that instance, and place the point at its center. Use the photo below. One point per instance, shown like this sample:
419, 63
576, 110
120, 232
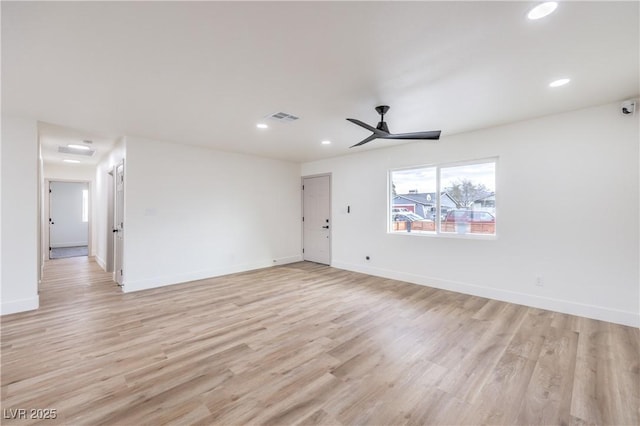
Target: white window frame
438, 233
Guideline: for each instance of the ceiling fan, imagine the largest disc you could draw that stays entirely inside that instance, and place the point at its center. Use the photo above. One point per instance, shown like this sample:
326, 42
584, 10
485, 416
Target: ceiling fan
381, 131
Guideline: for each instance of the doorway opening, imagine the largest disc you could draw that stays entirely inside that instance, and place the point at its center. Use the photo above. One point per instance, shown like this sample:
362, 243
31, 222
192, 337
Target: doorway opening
69, 219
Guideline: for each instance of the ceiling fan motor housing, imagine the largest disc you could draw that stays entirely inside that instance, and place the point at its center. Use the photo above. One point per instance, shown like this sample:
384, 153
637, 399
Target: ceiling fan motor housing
382, 110
383, 126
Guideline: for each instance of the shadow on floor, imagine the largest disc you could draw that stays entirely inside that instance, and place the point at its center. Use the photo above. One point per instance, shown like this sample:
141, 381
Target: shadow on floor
62, 252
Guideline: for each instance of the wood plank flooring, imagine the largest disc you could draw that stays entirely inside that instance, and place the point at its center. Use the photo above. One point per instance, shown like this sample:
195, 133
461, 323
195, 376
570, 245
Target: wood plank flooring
307, 344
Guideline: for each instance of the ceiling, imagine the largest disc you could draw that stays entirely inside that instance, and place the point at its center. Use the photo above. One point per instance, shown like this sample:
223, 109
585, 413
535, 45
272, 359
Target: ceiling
52, 137
205, 73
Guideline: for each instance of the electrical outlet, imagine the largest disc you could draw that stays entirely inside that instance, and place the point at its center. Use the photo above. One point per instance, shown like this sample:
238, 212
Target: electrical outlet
539, 281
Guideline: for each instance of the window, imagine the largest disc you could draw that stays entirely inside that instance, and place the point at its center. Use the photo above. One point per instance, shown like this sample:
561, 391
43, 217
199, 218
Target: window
413, 190
452, 199
85, 205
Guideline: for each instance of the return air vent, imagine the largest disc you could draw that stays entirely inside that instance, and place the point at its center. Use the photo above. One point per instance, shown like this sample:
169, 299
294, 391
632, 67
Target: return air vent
75, 151
283, 117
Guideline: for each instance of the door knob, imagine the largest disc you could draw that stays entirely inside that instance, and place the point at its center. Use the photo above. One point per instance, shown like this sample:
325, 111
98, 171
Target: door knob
326, 227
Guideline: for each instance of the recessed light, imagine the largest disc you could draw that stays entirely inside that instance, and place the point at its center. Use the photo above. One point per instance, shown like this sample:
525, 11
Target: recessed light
71, 161
559, 82
261, 126
542, 10
326, 142
84, 147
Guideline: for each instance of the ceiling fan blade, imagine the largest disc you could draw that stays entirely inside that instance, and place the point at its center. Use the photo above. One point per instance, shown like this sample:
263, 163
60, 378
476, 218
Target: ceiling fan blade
362, 142
433, 135
366, 126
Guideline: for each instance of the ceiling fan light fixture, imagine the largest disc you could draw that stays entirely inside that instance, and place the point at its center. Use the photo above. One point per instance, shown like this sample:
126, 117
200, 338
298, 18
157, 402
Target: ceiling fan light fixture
559, 82
542, 10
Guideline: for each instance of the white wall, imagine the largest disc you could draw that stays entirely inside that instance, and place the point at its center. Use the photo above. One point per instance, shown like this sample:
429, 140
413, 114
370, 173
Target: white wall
578, 171
69, 172
19, 186
192, 213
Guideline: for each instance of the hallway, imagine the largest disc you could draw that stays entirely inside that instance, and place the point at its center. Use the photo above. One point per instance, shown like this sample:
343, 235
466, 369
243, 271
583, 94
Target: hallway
76, 283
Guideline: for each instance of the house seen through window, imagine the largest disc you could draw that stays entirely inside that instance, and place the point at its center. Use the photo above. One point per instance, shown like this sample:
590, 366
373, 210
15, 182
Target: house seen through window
444, 199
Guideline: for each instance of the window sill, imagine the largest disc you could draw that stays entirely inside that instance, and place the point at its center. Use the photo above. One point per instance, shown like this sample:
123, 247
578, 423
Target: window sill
446, 235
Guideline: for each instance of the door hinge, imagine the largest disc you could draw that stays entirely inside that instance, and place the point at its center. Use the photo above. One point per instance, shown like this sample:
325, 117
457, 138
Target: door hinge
120, 272
303, 218
303, 187
49, 190
303, 250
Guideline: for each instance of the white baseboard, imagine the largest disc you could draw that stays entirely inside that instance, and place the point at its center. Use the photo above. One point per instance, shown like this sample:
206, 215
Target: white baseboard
146, 284
22, 305
285, 260
566, 307
101, 263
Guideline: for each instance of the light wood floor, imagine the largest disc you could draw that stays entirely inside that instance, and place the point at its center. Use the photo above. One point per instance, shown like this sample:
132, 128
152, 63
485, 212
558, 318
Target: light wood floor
308, 344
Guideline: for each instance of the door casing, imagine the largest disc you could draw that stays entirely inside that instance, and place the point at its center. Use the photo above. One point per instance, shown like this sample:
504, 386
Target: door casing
118, 225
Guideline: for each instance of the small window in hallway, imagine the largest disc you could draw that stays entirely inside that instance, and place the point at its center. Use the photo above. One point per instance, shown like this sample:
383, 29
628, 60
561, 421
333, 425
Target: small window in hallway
85, 205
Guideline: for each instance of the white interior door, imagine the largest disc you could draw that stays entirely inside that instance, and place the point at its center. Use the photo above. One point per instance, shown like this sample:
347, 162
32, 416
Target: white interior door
110, 237
68, 214
316, 220
118, 226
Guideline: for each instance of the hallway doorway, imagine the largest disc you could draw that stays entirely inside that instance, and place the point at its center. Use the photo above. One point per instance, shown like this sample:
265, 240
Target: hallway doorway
68, 219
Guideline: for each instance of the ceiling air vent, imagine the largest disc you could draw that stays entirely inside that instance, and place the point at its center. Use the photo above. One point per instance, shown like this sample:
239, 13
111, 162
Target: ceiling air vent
283, 117
75, 151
